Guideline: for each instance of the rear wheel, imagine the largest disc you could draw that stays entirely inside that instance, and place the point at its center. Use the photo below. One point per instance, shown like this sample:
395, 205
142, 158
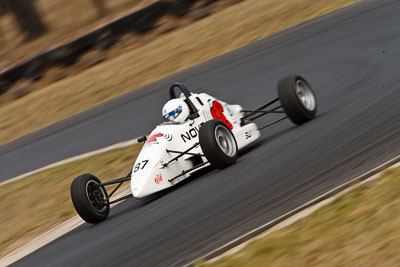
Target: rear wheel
297, 98
90, 199
218, 144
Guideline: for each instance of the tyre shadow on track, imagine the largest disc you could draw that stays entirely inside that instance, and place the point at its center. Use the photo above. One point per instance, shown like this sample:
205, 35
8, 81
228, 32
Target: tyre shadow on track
276, 132
139, 203
265, 140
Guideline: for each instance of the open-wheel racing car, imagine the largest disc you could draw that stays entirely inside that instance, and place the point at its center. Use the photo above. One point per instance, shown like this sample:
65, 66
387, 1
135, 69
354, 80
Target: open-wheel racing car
198, 131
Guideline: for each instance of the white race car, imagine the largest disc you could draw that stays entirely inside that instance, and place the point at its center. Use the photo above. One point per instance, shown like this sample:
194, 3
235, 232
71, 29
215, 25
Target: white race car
198, 131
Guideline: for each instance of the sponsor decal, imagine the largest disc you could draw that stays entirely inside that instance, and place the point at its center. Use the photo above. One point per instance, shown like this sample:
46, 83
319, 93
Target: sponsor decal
153, 138
158, 179
248, 135
192, 133
217, 113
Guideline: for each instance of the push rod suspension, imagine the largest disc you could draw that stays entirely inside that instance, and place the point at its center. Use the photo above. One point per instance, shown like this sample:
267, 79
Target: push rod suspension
274, 110
182, 153
260, 108
187, 153
115, 189
120, 199
267, 111
187, 171
116, 181
281, 119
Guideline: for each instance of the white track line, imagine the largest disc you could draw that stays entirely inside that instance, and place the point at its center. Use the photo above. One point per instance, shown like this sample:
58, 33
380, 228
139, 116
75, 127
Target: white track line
82, 156
300, 212
68, 225
50, 235
297, 213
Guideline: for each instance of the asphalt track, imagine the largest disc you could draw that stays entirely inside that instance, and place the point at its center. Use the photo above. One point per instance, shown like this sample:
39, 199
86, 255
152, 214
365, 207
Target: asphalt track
351, 57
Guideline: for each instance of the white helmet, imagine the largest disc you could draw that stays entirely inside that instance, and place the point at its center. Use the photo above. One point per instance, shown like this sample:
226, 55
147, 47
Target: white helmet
175, 110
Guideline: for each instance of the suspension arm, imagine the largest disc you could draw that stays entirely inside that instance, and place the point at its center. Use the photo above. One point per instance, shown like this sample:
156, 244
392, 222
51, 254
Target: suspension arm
281, 119
187, 171
259, 109
120, 199
265, 112
182, 153
185, 153
116, 181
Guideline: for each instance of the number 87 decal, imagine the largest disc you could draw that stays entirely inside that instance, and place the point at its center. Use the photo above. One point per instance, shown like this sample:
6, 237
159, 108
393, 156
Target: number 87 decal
217, 113
137, 166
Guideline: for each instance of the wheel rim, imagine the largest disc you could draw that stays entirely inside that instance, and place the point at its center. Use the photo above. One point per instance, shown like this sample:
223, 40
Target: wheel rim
96, 195
225, 141
305, 95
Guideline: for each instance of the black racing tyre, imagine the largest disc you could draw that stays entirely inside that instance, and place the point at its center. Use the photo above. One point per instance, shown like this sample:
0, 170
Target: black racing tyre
218, 144
297, 98
89, 198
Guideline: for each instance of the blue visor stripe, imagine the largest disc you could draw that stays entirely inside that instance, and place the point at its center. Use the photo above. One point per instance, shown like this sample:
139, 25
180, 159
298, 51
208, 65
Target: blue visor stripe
172, 113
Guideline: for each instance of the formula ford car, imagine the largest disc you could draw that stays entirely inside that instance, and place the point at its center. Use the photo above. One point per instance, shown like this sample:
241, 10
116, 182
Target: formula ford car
199, 131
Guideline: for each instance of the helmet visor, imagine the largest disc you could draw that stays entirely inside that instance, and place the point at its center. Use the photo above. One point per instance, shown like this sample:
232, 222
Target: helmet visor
170, 116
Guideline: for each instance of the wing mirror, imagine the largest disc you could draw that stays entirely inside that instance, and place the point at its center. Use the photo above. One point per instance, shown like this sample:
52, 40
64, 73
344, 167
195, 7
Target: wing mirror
142, 139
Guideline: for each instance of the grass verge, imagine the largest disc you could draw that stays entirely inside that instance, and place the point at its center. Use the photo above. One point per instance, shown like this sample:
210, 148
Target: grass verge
226, 30
33, 205
360, 228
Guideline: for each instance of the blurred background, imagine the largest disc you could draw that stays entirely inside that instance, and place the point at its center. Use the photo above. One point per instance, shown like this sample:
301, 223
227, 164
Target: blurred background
62, 57
29, 26
54, 48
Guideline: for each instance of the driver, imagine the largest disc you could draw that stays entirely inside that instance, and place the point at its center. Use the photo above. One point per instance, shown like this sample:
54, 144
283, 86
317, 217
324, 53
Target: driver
175, 110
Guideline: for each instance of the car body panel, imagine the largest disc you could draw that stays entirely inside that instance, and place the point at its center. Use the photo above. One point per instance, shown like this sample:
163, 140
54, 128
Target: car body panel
150, 175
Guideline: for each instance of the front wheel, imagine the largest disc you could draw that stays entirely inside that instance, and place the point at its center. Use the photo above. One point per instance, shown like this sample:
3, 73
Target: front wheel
90, 199
218, 144
297, 98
